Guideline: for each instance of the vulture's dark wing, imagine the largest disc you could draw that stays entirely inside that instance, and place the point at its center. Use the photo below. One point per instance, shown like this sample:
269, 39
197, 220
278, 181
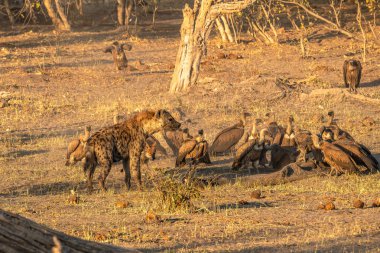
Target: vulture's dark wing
227, 139
339, 157
345, 73
361, 155
242, 152
186, 148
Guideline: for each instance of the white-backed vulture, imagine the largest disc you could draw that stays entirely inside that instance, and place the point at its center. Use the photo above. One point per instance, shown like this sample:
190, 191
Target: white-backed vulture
352, 73
246, 153
252, 133
174, 139
339, 161
358, 152
228, 138
288, 139
195, 150
339, 134
75, 149
118, 54
277, 157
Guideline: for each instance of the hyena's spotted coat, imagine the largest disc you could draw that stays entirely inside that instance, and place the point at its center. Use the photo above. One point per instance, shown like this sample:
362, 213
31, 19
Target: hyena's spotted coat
124, 142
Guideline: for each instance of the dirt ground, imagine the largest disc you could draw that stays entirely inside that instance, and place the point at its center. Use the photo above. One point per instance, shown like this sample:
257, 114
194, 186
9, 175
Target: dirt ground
59, 83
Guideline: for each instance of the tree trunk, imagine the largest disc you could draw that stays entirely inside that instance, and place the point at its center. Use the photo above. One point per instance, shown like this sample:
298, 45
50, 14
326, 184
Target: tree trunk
59, 20
65, 23
80, 6
220, 27
194, 33
52, 14
227, 29
121, 12
128, 12
18, 234
195, 29
9, 12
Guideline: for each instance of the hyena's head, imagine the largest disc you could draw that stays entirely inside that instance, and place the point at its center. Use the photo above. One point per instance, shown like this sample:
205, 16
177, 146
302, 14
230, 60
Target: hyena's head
154, 121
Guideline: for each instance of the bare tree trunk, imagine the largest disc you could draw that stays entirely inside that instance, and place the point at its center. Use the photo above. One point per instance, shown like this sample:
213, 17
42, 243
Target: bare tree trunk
9, 12
66, 26
220, 27
52, 14
18, 234
195, 29
227, 29
121, 12
194, 32
128, 12
79, 4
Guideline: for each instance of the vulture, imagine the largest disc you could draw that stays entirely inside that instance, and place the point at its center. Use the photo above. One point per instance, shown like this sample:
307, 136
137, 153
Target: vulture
304, 143
228, 138
357, 151
339, 134
195, 150
75, 149
352, 73
252, 133
339, 161
174, 139
246, 153
288, 139
277, 157
118, 54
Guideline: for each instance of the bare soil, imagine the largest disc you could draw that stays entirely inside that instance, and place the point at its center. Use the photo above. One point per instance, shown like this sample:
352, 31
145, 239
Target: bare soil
59, 83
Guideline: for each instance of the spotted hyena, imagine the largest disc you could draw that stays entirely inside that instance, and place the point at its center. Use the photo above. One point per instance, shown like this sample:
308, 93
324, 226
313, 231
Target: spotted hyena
124, 142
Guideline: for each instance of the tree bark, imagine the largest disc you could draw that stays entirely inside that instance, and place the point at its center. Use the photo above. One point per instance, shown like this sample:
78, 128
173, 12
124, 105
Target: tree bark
220, 27
9, 12
18, 234
121, 12
65, 23
195, 29
227, 29
59, 20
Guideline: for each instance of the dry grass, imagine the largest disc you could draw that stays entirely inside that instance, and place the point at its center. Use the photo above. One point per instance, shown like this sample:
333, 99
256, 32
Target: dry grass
58, 88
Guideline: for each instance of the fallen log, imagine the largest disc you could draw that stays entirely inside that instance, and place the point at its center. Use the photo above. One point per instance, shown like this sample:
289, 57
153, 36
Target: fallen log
19, 234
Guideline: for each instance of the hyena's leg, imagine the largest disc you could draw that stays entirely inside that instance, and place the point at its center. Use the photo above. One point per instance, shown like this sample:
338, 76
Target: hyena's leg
134, 161
127, 175
106, 168
89, 169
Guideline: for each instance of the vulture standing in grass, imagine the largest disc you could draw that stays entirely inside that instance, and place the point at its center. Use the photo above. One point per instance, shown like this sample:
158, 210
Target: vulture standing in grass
358, 152
288, 139
174, 139
195, 150
229, 137
246, 153
339, 134
252, 133
339, 161
75, 149
352, 73
118, 54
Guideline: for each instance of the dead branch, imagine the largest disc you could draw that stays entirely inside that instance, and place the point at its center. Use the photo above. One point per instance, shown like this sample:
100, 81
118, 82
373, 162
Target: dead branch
18, 234
317, 16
